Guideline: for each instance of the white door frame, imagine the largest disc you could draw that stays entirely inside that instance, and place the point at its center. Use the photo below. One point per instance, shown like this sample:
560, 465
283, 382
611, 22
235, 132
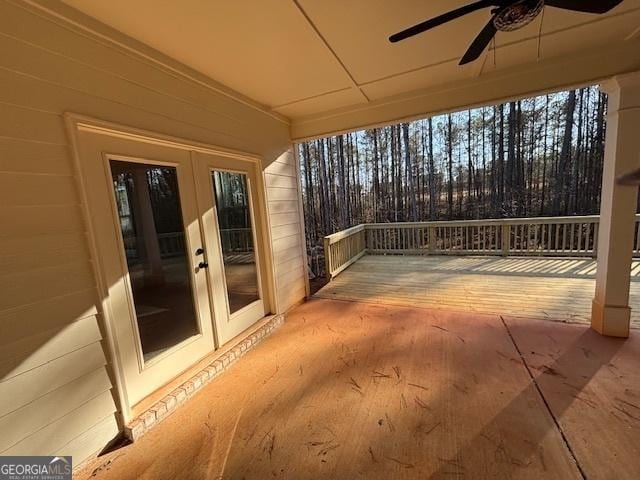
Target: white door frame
75, 124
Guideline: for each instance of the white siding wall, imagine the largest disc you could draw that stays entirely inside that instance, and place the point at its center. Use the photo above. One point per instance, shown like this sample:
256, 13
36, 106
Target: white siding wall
286, 230
55, 393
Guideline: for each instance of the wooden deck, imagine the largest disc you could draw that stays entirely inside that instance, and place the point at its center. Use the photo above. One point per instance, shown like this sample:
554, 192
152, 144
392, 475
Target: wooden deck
350, 390
551, 288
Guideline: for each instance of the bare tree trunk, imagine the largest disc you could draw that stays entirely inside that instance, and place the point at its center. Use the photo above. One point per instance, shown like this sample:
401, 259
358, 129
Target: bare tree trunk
450, 167
562, 179
432, 174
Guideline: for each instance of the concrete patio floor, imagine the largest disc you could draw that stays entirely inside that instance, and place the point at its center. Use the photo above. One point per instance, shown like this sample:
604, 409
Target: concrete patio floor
355, 390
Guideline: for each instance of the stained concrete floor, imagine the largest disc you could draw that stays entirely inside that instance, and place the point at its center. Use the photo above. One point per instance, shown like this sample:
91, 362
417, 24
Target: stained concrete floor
349, 390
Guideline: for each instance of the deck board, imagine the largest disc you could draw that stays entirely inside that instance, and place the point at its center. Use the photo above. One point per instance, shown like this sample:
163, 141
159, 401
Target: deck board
550, 288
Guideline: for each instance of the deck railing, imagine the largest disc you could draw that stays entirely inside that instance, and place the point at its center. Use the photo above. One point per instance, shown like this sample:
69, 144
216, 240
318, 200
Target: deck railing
172, 244
343, 248
544, 236
236, 239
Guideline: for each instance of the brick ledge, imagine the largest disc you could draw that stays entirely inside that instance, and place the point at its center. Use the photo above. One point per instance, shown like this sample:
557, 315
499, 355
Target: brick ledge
167, 405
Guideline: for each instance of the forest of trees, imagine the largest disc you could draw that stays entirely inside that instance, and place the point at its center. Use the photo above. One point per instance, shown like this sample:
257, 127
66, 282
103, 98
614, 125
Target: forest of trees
540, 156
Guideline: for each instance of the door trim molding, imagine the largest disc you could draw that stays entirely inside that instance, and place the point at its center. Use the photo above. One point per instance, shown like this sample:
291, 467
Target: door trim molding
84, 123
76, 123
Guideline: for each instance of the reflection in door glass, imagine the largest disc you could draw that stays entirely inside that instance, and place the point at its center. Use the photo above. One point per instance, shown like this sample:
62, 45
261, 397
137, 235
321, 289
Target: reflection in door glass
153, 233
236, 235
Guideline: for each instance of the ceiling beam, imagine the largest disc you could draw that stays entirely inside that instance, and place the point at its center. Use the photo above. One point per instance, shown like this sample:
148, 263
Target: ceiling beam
352, 80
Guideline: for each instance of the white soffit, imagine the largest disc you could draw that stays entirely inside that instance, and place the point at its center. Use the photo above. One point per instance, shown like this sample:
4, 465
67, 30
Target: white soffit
307, 58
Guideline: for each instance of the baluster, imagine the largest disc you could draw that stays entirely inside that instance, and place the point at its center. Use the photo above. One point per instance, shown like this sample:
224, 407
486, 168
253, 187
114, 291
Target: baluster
579, 247
414, 232
466, 238
484, 238
431, 232
572, 238
327, 259
443, 238
506, 239
588, 237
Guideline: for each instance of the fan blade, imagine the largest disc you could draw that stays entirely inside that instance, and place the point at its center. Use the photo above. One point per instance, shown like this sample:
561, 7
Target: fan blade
480, 43
439, 20
587, 6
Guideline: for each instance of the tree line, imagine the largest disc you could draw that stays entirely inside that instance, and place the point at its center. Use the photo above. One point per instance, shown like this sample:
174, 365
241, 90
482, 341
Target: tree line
540, 156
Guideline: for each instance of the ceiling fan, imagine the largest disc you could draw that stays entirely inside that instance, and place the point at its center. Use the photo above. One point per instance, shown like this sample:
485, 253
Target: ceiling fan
506, 16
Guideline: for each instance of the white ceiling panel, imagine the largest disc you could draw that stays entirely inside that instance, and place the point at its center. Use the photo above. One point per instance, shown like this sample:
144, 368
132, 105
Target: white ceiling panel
312, 57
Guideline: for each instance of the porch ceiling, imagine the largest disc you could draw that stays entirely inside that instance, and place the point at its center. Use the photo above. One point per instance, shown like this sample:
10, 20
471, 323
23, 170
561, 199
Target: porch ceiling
327, 65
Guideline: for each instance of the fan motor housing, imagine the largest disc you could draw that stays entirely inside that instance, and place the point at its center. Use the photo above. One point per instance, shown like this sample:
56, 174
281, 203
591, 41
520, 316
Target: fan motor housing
517, 15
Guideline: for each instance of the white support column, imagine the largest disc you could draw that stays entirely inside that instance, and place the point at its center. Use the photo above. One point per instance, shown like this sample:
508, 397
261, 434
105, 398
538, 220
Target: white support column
610, 313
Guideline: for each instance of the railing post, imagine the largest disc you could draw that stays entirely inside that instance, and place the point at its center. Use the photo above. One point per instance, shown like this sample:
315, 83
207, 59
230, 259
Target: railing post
506, 239
327, 258
432, 239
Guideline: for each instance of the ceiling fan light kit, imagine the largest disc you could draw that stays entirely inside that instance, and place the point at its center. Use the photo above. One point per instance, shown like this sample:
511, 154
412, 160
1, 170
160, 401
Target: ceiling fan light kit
507, 16
517, 16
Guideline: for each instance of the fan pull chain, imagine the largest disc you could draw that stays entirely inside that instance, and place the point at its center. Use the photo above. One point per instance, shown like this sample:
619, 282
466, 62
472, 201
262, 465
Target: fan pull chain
540, 33
493, 40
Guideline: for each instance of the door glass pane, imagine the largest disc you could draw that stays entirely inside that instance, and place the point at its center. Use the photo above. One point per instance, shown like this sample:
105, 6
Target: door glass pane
236, 234
152, 228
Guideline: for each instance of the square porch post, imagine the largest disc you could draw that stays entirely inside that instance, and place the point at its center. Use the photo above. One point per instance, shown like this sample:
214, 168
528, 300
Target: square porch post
610, 313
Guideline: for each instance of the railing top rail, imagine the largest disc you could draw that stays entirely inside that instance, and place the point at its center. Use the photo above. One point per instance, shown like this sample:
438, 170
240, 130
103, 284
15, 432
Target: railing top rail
335, 237
489, 221
237, 229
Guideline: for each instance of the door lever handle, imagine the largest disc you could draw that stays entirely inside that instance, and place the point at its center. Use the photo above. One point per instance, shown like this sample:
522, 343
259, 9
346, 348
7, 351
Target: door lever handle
203, 265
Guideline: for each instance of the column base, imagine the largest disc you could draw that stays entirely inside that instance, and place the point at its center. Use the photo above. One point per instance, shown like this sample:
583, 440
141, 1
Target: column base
609, 320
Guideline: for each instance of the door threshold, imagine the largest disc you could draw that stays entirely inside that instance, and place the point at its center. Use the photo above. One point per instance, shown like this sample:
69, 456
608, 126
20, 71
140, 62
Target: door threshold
149, 412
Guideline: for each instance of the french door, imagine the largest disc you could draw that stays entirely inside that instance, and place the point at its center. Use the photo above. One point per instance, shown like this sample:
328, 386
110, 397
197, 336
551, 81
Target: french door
176, 236
227, 191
